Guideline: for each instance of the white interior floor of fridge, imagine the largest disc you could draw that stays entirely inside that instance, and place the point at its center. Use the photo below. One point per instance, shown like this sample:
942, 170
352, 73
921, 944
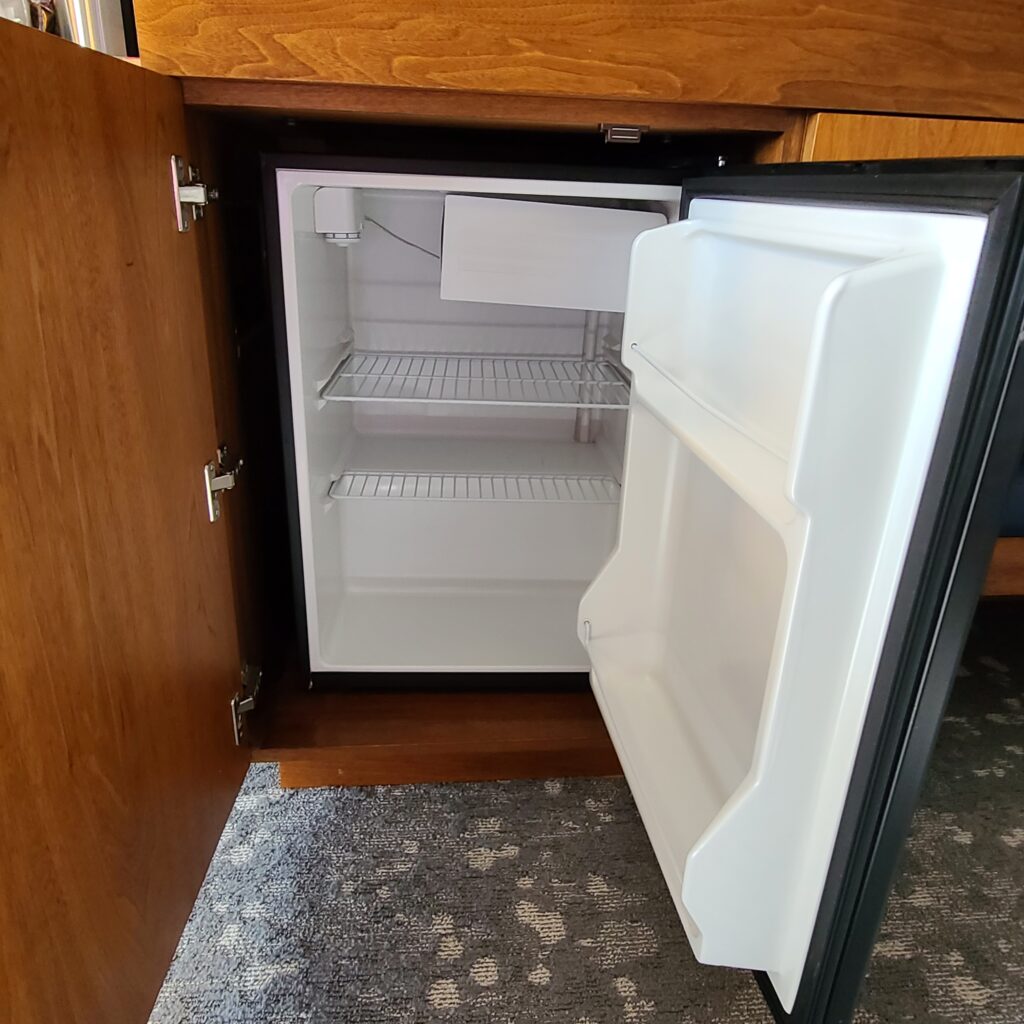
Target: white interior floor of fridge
461, 553
454, 626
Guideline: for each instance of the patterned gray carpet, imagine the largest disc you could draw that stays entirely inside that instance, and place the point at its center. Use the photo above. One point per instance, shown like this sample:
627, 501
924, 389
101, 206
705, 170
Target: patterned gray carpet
951, 949
520, 901
541, 902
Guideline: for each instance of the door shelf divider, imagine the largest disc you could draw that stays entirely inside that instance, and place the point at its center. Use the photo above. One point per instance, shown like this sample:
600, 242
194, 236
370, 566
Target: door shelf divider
368, 484
476, 379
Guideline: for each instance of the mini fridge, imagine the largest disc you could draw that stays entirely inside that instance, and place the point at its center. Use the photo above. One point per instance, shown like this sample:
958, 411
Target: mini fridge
718, 444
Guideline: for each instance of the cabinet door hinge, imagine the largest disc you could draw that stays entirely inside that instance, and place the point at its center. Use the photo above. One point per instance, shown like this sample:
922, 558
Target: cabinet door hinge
622, 132
219, 476
244, 702
191, 195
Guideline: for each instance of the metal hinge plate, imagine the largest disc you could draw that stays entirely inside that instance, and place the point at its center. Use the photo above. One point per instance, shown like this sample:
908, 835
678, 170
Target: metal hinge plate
244, 702
219, 476
191, 196
623, 132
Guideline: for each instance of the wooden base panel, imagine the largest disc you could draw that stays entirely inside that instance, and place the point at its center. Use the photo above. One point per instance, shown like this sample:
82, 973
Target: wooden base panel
363, 768
1006, 570
365, 739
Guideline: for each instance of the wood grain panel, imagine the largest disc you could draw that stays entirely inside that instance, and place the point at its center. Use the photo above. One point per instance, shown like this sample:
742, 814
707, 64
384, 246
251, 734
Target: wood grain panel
361, 739
117, 628
867, 137
784, 148
1006, 570
910, 56
476, 109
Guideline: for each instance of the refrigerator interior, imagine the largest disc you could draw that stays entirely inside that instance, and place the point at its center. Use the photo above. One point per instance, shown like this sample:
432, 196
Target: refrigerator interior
458, 463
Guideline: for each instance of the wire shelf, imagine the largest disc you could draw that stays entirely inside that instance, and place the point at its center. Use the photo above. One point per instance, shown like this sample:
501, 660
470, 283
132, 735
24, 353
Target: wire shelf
484, 380
475, 487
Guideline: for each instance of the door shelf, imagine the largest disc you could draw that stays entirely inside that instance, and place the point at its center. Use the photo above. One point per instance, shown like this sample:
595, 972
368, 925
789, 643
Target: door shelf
481, 380
603, 490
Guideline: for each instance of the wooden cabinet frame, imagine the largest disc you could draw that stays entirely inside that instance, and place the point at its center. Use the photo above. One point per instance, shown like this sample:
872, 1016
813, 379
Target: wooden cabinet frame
118, 769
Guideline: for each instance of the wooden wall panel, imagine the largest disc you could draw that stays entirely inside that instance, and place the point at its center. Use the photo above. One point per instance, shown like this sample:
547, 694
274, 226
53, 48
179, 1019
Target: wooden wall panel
117, 626
907, 56
873, 137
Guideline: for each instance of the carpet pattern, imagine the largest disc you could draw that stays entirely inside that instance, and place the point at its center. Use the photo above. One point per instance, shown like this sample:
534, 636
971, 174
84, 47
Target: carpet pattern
517, 901
542, 902
951, 948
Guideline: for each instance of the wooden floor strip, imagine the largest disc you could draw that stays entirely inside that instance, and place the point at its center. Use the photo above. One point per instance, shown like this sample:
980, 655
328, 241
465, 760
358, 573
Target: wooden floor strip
361, 739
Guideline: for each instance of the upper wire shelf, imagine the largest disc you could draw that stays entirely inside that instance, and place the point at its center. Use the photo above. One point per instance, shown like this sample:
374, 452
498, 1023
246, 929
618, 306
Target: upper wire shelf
484, 380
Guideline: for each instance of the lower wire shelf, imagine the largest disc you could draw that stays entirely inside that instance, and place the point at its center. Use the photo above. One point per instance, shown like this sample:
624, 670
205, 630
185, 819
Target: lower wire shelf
476, 487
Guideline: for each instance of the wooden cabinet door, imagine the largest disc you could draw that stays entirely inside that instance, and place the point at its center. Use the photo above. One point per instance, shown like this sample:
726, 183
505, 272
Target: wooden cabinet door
118, 630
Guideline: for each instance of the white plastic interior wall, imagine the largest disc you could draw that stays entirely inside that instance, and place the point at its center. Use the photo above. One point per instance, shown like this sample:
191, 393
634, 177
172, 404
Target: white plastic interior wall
449, 520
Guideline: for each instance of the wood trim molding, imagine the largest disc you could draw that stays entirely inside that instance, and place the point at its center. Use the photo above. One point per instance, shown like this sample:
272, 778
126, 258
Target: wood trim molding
785, 148
444, 106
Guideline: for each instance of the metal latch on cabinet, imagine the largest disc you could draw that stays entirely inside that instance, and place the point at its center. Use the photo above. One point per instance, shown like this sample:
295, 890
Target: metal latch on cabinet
622, 132
244, 702
191, 195
217, 477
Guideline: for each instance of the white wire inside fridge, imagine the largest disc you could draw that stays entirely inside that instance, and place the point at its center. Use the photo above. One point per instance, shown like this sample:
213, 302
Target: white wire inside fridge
458, 462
